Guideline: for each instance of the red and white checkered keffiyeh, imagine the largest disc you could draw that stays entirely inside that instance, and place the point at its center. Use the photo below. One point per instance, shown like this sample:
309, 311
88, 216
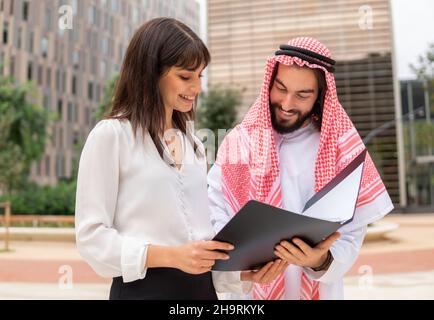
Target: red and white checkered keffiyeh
249, 163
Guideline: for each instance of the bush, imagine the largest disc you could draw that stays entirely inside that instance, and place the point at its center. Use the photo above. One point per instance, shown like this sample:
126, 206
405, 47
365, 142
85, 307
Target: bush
44, 200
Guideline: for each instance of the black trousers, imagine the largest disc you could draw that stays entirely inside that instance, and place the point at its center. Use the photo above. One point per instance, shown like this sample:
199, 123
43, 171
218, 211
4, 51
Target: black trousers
165, 284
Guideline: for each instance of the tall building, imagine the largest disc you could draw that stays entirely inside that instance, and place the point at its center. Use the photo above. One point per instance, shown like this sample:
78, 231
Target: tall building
70, 67
242, 35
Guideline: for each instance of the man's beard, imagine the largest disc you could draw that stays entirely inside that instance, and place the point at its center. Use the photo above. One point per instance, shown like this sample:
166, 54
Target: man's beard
283, 127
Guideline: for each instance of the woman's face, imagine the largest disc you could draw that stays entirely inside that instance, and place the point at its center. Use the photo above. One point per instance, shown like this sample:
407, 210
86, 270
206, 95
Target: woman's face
179, 88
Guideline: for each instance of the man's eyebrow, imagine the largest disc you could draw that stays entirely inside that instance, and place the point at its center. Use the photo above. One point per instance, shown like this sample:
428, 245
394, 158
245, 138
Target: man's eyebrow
306, 91
279, 82
298, 91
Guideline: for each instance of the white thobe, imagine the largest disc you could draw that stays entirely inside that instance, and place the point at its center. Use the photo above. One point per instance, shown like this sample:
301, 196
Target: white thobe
297, 154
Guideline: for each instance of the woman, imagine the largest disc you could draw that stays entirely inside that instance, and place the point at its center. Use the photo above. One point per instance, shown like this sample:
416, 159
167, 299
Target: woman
142, 215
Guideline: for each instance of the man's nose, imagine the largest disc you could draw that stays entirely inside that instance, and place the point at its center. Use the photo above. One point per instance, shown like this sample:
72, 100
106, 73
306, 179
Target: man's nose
287, 102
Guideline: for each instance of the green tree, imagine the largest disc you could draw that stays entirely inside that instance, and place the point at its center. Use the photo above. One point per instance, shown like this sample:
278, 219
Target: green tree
424, 131
22, 133
218, 109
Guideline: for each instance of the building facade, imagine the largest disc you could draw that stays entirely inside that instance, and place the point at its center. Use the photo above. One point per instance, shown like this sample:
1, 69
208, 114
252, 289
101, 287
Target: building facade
359, 34
69, 67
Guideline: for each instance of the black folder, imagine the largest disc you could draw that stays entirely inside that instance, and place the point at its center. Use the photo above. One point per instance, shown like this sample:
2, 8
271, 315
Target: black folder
258, 227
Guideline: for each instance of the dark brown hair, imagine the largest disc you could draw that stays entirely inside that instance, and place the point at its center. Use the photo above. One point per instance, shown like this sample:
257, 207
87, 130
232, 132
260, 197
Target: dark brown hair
319, 102
156, 46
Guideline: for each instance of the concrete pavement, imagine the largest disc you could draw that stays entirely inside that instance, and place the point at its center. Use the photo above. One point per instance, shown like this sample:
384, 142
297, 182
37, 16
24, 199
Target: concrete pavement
400, 266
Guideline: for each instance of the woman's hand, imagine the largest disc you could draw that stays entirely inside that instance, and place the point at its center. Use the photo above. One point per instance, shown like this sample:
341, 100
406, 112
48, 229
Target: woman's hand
301, 254
199, 256
266, 274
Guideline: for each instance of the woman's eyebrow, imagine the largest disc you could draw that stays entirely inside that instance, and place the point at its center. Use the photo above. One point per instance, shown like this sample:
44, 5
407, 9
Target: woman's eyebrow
191, 69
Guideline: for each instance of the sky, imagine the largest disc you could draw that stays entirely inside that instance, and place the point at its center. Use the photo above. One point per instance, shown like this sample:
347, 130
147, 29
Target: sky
413, 26
413, 29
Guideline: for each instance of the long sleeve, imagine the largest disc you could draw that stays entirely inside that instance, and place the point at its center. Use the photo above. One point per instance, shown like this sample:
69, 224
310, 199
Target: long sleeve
220, 214
346, 249
224, 282
108, 252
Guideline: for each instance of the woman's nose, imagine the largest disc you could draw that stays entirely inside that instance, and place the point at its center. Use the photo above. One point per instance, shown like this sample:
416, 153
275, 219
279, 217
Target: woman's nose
197, 87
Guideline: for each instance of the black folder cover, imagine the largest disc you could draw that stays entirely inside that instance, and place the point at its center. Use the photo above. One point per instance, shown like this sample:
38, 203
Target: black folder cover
257, 228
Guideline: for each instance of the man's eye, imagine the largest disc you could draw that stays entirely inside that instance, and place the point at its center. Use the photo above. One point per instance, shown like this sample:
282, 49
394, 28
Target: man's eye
302, 97
184, 78
280, 89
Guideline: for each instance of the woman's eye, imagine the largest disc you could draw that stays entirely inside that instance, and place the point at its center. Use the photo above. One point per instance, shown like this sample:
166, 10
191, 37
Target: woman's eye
184, 78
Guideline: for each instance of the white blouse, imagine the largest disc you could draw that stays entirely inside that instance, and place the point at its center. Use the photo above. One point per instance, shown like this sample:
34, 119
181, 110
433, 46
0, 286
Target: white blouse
298, 185
129, 198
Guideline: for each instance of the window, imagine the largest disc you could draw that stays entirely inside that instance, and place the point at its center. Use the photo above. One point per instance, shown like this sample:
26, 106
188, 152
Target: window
31, 42
75, 59
60, 165
75, 137
12, 66
2, 59
25, 10
90, 90
38, 168
19, 37
104, 46
29, 71
46, 102
58, 84
87, 116
97, 92
47, 165
5, 32
70, 112
94, 65
91, 15
64, 81
47, 19
59, 108
111, 24
74, 85
103, 69
44, 47
74, 7
40, 73
48, 78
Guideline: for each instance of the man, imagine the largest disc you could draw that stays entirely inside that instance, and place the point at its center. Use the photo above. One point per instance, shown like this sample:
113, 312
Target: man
295, 138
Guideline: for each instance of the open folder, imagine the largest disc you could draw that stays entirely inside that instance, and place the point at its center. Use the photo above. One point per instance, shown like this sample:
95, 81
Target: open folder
257, 228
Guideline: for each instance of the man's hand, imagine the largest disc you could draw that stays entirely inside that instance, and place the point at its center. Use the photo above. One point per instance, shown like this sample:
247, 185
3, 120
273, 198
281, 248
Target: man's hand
301, 254
266, 274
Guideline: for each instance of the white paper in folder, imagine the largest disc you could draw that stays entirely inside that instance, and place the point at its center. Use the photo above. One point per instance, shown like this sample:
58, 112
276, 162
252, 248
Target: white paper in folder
345, 194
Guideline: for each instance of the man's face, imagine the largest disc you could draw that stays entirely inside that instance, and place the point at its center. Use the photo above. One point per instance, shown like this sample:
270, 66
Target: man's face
292, 97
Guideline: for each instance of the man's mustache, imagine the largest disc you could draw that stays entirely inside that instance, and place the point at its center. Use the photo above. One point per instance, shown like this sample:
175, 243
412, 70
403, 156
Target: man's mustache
279, 106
